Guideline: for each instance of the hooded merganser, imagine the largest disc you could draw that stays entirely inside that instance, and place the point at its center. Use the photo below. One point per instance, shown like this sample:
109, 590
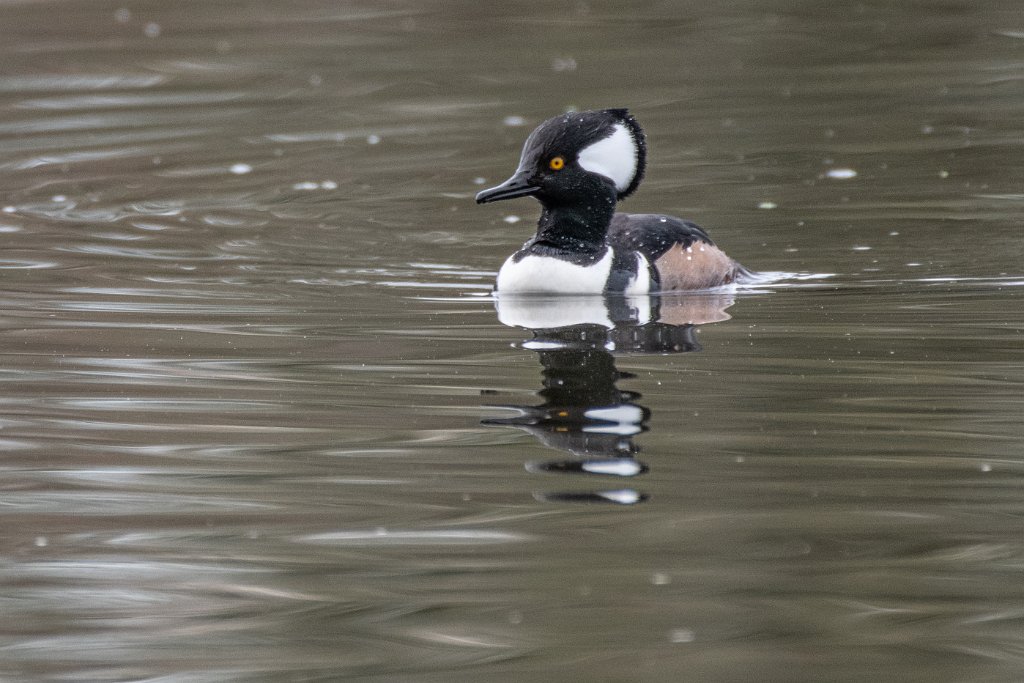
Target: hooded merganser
578, 166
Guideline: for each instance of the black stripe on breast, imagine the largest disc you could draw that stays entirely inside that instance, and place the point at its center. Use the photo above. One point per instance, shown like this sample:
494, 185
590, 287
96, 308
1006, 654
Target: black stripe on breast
624, 267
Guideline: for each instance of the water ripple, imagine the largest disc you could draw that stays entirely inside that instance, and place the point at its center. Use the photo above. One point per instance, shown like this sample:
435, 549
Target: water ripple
151, 254
386, 537
120, 503
183, 308
25, 264
120, 100
77, 157
172, 406
107, 81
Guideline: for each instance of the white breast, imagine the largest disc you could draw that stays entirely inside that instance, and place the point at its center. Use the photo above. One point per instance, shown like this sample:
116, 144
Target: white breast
547, 275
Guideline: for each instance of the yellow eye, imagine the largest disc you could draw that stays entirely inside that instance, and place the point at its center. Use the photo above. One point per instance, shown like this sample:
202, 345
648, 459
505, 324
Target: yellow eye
556, 164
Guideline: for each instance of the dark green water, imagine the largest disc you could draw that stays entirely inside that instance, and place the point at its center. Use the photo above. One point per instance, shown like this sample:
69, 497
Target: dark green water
260, 420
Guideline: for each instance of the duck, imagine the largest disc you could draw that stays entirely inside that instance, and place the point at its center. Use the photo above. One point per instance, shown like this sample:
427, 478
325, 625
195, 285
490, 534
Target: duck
579, 166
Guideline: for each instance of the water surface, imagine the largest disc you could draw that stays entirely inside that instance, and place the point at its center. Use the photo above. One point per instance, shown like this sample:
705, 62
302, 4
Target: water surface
261, 420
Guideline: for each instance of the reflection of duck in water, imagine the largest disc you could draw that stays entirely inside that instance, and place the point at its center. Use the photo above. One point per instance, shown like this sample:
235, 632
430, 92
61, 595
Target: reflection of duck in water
583, 412
578, 166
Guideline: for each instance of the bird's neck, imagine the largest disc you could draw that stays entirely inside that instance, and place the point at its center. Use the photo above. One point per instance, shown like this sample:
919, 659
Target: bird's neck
577, 227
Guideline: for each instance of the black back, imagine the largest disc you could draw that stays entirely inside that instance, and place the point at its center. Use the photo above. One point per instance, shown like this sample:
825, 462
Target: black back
653, 234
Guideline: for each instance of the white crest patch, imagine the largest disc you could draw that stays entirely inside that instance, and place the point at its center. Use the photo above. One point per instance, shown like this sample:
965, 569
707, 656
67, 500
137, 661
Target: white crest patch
548, 275
614, 157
